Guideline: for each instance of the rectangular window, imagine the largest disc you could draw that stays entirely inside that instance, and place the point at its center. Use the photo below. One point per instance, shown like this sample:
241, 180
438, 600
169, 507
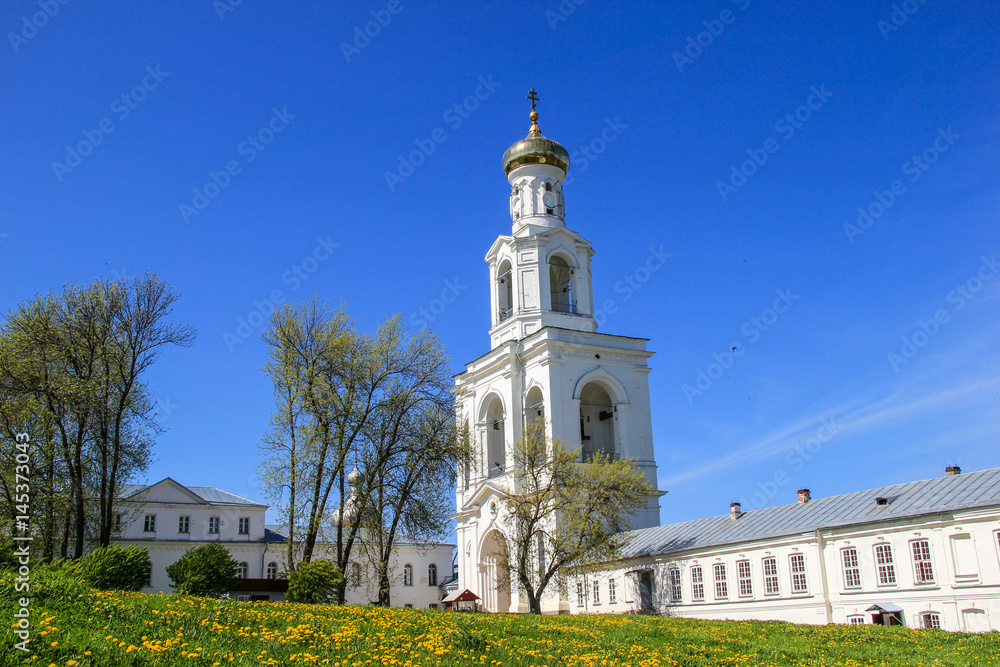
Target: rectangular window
675, 584
932, 621
612, 593
884, 565
743, 575
856, 620
117, 523
149, 525
597, 592
244, 525
798, 566
852, 572
923, 570
721, 586
770, 576
697, 585
579, 594
213, 525
184, 524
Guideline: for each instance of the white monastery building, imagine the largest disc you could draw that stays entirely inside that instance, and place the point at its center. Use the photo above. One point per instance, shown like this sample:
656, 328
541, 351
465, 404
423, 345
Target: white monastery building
168, 519
922, 554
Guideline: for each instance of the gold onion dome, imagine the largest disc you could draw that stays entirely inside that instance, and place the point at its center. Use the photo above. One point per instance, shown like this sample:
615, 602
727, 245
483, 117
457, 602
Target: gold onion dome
535, 148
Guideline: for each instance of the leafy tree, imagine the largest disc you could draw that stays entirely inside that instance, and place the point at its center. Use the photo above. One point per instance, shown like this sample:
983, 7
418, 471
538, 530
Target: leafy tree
114, 568
315, 582
72, 374
208, 570
563, 513
343, 397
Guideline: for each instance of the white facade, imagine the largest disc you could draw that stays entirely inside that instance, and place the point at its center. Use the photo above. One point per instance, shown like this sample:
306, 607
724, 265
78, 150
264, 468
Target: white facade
936, 567
547, 361
168, 519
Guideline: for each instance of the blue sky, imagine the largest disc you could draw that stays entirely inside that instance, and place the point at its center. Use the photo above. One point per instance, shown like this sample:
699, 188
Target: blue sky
248, 160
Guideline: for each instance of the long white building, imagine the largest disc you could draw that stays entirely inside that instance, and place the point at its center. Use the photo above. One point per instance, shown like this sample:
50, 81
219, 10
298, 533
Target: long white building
920, 554
168, 519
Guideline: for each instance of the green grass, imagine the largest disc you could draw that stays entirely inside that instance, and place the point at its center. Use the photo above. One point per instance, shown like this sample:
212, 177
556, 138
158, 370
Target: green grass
72, 623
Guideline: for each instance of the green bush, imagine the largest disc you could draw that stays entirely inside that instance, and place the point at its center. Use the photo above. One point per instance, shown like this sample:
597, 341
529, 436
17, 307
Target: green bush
314, 582
113, 568
208, 570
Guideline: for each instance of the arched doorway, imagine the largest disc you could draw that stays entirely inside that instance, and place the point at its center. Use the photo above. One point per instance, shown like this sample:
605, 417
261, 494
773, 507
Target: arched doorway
494, 579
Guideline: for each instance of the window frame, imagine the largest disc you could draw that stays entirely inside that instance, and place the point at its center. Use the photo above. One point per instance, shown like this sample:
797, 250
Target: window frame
407, 575
851, 572
597, 591
184, 524
721, 587
697, 583
149, 523
272, 570
243, 527
675, 584
799, 574
432, 574
770, 567
856, 619
580, 594
885, 565
923, 563
744, 579
930, 620
612, 591
214, 525
243, 570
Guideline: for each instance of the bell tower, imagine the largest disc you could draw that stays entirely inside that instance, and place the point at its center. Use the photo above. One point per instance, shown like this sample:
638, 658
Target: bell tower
547, 361
541, 271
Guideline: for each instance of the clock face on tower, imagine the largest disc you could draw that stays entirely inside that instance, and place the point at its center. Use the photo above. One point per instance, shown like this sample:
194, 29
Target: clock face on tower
550, 199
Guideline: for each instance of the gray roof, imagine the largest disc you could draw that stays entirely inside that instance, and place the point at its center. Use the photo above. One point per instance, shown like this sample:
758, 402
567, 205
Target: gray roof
941, 494
209, 494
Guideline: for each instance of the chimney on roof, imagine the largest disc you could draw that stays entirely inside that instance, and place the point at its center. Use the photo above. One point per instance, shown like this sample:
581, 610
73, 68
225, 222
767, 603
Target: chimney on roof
734, 511
951, 471
804, 496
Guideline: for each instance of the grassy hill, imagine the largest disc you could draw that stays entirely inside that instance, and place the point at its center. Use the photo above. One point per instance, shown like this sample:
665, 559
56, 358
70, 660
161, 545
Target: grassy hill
78, 627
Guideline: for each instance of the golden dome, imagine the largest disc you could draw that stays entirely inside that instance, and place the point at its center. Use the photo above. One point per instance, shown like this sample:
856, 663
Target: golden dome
535, 149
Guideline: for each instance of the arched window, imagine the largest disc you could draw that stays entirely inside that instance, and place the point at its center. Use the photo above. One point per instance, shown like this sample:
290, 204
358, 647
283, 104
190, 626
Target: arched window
407, 575
272, 570
496, 448
505, 292
432, 575
597, 423
534, 406
561, 285
242, 569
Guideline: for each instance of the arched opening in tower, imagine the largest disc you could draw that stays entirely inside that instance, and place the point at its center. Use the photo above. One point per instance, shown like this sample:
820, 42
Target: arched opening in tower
597, 422
505, 291
561, 285
496, 449
534, 406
